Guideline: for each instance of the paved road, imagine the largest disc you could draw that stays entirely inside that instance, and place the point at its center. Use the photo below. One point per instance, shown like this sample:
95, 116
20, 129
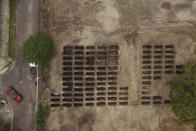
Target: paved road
27, 15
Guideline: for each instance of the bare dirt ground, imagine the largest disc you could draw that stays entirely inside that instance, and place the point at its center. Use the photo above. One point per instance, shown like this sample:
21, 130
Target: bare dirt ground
5, 118
130, 24
4, 19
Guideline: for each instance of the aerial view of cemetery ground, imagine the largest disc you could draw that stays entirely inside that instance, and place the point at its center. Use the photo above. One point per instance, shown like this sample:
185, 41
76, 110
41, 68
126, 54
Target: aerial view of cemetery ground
99, 65
113, 60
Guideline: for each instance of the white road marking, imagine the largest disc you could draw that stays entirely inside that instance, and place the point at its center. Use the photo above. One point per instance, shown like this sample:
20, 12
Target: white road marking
29, 77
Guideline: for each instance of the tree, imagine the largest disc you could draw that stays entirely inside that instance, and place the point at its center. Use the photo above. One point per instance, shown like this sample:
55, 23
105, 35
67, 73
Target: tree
38, 48
183, 95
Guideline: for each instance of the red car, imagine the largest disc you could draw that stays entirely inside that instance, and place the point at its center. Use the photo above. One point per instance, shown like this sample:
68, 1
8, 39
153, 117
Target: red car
13, 94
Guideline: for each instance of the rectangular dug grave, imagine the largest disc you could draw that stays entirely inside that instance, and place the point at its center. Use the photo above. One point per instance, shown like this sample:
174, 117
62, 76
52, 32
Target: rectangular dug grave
157, 61
90, 77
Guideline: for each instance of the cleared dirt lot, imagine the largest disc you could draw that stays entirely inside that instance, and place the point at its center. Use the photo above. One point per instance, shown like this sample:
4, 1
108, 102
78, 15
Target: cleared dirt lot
129, 24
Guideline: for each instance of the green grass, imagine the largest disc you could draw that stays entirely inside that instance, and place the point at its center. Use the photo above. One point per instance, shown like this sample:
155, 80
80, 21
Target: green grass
12, 17
45, 72
42, 114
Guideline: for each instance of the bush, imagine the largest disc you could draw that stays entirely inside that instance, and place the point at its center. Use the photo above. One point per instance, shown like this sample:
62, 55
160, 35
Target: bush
42, 114
38, 48
183, 95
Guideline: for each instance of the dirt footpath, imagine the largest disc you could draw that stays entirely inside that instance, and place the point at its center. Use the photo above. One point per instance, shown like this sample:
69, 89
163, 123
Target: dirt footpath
155, 37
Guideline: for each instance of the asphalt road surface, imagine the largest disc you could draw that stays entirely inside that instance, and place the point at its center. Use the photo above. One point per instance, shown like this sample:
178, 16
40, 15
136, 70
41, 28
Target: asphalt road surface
27, 19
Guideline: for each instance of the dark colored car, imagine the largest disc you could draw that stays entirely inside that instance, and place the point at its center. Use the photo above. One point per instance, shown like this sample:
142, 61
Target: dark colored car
11, 92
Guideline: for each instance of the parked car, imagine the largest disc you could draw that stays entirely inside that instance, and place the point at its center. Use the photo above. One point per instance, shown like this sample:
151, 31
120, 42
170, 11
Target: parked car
33, 68
12, 93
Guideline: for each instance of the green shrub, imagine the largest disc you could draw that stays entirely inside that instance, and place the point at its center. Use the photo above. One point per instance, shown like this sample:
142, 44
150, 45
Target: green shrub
183, 95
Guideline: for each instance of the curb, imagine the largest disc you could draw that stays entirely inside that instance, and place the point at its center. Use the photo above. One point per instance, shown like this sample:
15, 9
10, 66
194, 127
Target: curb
6, 71
12, 117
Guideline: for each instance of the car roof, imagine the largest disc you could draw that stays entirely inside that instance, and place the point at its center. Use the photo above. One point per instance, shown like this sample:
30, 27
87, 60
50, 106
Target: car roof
18, 98
12, 91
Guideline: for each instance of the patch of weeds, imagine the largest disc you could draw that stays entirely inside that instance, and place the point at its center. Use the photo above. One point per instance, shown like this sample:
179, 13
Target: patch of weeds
2, 105
41, 116
194, 127
45, 72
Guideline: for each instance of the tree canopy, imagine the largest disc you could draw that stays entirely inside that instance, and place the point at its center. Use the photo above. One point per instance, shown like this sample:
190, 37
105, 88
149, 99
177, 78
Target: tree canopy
38, 48
183, 95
